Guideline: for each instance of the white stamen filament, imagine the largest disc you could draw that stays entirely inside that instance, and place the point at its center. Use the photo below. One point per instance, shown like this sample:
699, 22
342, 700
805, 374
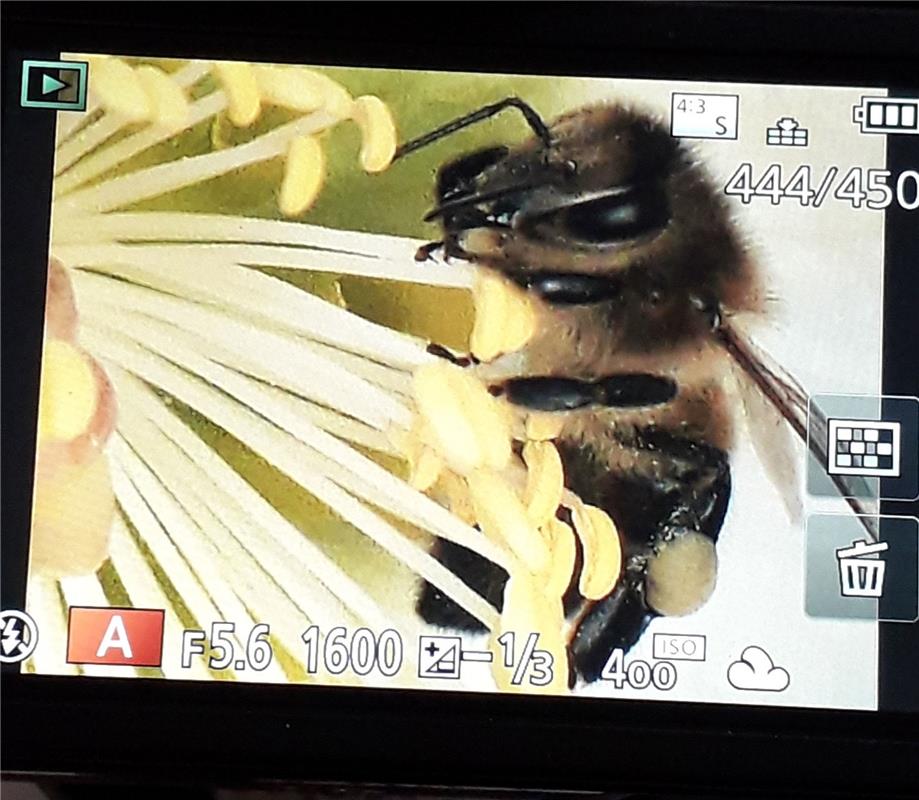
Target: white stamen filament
187, 536
266, 354
93, 164
80, 164
70, 122
274, 305
232, 534
186, 582
171, 176
283, 451
218, 480
200, 535
145, 592
354, 471
171, 226
370, 254
261, 255
89, 139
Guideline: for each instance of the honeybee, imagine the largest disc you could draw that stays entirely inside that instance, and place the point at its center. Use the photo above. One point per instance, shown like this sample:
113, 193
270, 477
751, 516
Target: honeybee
638, 274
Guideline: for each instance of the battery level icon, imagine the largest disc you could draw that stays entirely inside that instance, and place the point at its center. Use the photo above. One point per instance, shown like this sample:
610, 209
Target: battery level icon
887, 115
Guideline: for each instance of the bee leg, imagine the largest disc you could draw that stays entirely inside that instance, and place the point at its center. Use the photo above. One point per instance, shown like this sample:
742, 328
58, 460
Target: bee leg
442, 352
614, 623
480, 574
425, 252
669, 522
564, 394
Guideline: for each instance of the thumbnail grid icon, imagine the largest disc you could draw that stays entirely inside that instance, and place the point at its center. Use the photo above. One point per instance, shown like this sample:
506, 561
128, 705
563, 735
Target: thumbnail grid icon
863, 447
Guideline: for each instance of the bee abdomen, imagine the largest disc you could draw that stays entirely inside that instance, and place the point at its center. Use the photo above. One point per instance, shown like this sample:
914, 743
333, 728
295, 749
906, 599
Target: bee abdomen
480, 574
661, 490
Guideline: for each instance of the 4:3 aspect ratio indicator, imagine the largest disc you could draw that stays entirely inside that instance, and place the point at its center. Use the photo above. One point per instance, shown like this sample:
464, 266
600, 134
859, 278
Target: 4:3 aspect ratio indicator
704, 116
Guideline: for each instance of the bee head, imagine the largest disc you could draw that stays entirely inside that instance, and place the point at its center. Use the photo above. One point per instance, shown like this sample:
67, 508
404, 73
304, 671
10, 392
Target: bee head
613, 201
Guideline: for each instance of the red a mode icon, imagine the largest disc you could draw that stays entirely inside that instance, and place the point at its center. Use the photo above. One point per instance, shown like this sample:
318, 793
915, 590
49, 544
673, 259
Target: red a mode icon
122, 636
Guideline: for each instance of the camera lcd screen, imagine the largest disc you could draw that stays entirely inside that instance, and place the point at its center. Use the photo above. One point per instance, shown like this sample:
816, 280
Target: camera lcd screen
470, 382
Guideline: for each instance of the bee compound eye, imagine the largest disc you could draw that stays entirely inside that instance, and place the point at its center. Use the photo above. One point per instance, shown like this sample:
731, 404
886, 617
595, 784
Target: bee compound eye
458, 177
681, 575
618, 217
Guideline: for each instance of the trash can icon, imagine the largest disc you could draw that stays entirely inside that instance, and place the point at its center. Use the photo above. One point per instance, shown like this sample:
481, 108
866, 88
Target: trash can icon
861, 572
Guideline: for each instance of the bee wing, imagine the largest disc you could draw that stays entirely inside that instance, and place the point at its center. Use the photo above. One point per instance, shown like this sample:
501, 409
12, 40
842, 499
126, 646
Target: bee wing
772, 412
776, 411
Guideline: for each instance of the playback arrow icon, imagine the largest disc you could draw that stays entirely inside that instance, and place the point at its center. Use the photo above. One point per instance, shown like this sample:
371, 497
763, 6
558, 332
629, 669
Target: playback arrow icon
58, 85
50, 84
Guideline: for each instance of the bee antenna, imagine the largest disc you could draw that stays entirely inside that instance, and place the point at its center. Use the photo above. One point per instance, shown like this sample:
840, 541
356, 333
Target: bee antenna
533, 120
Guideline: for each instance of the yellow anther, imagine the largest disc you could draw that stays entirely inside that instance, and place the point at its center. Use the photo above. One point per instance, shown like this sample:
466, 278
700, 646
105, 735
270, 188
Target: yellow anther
681, 577
302, 90
504, 317
602, 551
542, 426
521, 319
404, 441
304, 173
490, 313
68, 396
464, 423
426, 469
291, 87
338, 101
545, 481
528, 610
168, 102
452, 492
425, 466
561, 541
239, 83
503, 518
378, 132
119, 89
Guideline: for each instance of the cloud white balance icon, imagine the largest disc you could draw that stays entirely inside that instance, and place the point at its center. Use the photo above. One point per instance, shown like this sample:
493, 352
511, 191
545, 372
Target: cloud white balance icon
756, 672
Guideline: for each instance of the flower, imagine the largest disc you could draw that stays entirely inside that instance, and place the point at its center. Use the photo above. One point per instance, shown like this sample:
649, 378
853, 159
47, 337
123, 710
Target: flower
217, 364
